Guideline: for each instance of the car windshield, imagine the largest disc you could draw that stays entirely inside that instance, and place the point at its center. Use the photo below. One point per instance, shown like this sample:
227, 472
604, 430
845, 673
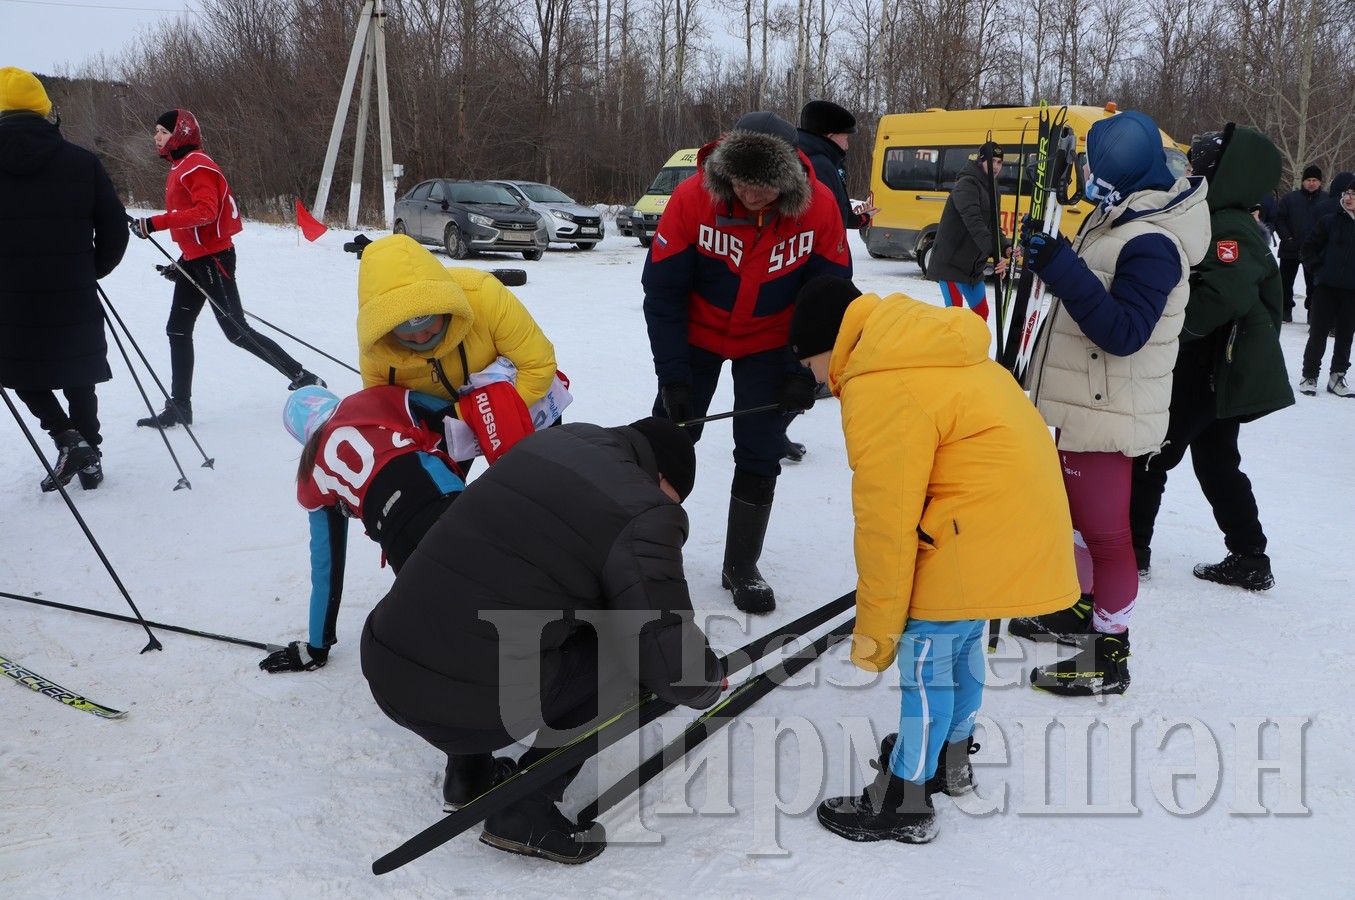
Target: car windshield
477, 192
668, 179
544, 193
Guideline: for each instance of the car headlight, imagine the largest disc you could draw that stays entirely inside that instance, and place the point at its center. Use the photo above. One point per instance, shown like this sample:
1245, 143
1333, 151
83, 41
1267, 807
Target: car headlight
486, 221
561, 214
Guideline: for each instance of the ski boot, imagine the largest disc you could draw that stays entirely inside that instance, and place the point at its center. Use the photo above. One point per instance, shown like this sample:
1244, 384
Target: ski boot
1065, 626
306, 379
73, 454
176, 412
534, 826
1102, 667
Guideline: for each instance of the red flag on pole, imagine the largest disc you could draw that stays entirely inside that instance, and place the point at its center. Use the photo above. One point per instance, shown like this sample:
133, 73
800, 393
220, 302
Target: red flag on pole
311, 227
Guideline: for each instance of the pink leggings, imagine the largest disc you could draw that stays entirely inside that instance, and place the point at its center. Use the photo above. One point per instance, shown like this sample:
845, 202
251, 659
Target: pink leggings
1098, 498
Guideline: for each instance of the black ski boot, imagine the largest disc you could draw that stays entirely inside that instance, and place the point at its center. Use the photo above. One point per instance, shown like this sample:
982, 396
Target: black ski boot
1067, 626
793, 452
1102, 667
743, 547
534, 826
469, 776
1244, 570
954, 774
306, 379
73, 454
889, 809
176, 412
92, 474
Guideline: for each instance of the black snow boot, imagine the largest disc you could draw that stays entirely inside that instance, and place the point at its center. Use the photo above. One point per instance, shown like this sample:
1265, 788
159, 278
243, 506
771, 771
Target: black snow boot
534, 826
305, 379
743, 547
1244, 570
793, 452
1102, 667
92, 474
954, 774
176, 412
469, 776
1067, 626
73, 454
889, 809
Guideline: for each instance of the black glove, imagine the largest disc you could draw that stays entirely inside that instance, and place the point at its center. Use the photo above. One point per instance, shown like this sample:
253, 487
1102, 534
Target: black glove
677, 402
142, 228
169, 273
797, 392
357, 245
295, 657
1040, 250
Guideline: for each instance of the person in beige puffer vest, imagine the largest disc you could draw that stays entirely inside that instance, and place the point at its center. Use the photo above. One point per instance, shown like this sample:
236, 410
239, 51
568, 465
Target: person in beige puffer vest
1101, 374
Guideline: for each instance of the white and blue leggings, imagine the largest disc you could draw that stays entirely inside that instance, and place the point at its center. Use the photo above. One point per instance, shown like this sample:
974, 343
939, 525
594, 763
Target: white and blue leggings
941, 666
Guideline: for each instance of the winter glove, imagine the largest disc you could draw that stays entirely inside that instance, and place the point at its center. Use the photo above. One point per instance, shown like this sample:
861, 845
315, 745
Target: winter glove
169, 273
142, 228
1040, 250
295, 657
797, 392
677, 402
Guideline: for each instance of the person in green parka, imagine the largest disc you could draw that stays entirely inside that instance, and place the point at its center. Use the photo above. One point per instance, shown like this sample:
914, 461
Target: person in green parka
1230, 368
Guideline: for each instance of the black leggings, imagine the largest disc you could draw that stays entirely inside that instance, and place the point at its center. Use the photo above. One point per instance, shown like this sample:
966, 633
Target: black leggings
216, 275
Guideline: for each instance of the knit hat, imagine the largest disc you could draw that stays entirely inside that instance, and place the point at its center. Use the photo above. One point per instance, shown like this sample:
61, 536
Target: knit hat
307, 410
21, 90
768, 123
826, 117
990, 150
674, 454
1206, 151
819, 308
410, 327
1312, 172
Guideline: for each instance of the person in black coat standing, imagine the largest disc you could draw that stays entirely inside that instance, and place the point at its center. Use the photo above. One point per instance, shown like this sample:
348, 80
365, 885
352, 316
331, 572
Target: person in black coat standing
62, 228
1330, 253
825, 132
544, 599
1295, 218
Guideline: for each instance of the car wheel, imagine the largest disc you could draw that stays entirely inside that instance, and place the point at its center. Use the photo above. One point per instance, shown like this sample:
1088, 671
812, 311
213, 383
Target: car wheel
454, 243
645, 242
924, 251
533, 255
588, 245
399, 227
510, 277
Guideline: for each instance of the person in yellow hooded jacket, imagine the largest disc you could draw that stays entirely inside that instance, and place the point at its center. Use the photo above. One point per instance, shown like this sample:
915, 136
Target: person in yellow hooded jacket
429, 328
960, 517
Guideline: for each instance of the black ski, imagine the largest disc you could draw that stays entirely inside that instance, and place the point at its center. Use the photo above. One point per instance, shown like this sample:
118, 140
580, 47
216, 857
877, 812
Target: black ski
48, 688
713, 719
588, 745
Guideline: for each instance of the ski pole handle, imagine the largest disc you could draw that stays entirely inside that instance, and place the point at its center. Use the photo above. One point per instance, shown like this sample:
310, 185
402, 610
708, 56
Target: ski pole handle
768, 407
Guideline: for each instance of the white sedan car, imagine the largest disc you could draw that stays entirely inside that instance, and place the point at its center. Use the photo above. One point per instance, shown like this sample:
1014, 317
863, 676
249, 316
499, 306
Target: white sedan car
566, 221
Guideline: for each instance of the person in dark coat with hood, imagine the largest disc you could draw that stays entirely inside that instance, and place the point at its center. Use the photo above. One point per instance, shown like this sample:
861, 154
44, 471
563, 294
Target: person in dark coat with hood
967, 239
543, 599
735, 244
1330, 253
1296, 216
61, 229
1230, 368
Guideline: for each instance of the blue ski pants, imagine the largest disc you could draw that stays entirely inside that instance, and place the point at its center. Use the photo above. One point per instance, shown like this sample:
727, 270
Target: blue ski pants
941, 667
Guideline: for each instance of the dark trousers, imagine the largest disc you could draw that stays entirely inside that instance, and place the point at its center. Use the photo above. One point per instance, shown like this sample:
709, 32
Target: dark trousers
1213, 454
1288, 269
1331, 307
759, 439
216, 275
83, 416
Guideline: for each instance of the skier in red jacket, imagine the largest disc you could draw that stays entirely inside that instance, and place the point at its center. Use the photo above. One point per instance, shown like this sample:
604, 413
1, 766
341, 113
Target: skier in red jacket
202, 217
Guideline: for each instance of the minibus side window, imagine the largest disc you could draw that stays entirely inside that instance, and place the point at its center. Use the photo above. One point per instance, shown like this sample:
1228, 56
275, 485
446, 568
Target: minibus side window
911, 168
953, 159
1012, 161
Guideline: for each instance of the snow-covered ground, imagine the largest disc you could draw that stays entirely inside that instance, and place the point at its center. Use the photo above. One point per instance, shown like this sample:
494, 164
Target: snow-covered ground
225, 781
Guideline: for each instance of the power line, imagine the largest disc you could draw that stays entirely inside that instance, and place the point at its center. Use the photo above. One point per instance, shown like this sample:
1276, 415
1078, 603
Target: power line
159, 9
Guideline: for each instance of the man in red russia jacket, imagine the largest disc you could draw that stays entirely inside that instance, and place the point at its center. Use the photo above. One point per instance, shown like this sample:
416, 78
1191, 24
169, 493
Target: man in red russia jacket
735, 244
202, 217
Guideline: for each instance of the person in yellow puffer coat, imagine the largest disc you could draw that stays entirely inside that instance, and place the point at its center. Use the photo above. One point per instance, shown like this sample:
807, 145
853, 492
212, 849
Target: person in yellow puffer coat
960, 517
474, 320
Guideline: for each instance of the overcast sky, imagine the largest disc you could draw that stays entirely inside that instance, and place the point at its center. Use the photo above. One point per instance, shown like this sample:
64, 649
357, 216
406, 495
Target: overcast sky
56, 36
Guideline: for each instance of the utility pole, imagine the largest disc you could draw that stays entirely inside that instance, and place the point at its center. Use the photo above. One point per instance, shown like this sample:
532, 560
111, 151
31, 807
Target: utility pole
369, 45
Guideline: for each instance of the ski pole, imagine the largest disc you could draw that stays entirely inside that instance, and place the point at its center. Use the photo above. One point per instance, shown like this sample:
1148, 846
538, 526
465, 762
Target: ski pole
154, 643
712, 720
994, 632
589, 744
732, 413
136, 379
183, 273
207, 462
227, 639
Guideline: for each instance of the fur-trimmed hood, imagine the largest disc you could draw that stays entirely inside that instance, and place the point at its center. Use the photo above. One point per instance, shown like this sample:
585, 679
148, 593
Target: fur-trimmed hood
757, 158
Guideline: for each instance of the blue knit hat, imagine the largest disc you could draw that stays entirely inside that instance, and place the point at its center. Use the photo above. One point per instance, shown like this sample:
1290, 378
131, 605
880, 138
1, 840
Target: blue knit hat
307, 410
1125, 155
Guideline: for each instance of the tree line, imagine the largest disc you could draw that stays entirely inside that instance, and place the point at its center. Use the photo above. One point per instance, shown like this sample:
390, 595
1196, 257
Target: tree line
593, 95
